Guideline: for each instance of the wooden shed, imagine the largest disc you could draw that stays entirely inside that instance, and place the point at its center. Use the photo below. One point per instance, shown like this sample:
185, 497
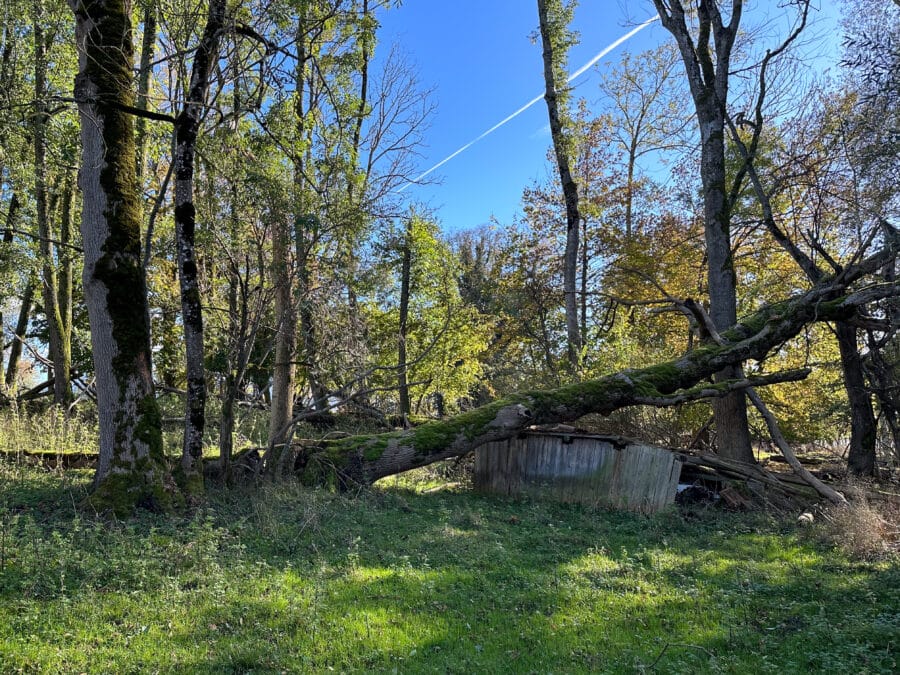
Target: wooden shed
578, 467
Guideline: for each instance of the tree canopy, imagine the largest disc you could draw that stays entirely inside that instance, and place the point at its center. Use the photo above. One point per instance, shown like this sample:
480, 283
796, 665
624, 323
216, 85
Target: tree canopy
230, 178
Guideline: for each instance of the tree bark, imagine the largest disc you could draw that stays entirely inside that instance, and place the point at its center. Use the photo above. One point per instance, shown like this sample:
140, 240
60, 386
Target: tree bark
187, 127
131, 470
236, 366
707, 75
552, 27
365, 459
12, 213
283, 373
366, 38
15, 347
863, 430
305, 241
66, 280
236, 335
281, 409
306, 222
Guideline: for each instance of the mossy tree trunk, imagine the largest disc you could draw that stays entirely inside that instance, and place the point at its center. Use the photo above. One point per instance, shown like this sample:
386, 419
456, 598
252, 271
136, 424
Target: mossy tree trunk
365, 459
187, 126
131, 470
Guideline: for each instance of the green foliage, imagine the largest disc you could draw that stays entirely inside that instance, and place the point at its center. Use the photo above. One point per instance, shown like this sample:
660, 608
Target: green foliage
511, 277
289, 145
446, 337
295, 580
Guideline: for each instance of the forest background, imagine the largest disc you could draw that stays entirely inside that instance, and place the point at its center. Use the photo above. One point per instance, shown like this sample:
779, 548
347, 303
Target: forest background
267, 256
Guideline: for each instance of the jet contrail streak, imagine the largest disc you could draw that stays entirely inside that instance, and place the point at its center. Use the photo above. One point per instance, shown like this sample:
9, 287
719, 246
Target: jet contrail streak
606, 50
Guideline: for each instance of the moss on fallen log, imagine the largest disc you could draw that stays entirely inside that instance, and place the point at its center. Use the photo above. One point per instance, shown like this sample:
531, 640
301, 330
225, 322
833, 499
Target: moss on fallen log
365, 459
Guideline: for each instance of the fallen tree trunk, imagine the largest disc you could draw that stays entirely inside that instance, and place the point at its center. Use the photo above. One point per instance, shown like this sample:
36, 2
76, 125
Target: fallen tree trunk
365, 459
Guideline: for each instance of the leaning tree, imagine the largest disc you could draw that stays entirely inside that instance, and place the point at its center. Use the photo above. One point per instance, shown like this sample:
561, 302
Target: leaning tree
839, 297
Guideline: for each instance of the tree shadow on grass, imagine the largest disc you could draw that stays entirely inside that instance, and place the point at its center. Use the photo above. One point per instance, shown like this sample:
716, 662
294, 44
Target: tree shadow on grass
288, 579
459, 619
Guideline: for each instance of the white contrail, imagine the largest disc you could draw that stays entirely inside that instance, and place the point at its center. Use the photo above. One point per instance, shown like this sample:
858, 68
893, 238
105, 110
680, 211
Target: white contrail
606, 50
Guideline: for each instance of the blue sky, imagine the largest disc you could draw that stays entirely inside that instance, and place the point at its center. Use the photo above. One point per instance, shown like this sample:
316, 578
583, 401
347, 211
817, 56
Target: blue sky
482, 65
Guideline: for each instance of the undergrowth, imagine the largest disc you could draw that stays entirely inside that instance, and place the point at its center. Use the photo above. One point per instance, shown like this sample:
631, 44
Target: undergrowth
24, 430
863, 530
397, 579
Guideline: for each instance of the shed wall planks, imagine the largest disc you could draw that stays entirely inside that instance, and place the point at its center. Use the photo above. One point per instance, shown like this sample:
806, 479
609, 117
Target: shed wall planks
579, 468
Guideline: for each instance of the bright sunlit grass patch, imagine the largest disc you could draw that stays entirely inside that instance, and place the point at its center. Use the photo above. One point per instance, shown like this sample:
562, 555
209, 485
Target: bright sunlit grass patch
286, 579
48, 431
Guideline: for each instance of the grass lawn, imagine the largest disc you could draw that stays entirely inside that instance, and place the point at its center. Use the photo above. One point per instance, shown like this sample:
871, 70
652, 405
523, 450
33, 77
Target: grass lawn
401, 580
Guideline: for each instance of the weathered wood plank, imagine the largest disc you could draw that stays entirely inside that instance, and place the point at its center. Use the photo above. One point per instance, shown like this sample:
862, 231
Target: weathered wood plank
579, 468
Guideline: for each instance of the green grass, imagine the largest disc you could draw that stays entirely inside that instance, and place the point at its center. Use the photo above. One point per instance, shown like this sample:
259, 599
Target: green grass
45, 431
395, 580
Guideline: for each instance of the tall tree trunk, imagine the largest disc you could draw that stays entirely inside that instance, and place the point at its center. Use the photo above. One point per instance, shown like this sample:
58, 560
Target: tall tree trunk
403, 329
282, 406
131, 471
306, 222
235, 338
354, 197
281, 409
232, 378
239, 343
305, 238
863, 429
585, 263
187, 126
58, 342
707, 64
553, 31
730, 412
